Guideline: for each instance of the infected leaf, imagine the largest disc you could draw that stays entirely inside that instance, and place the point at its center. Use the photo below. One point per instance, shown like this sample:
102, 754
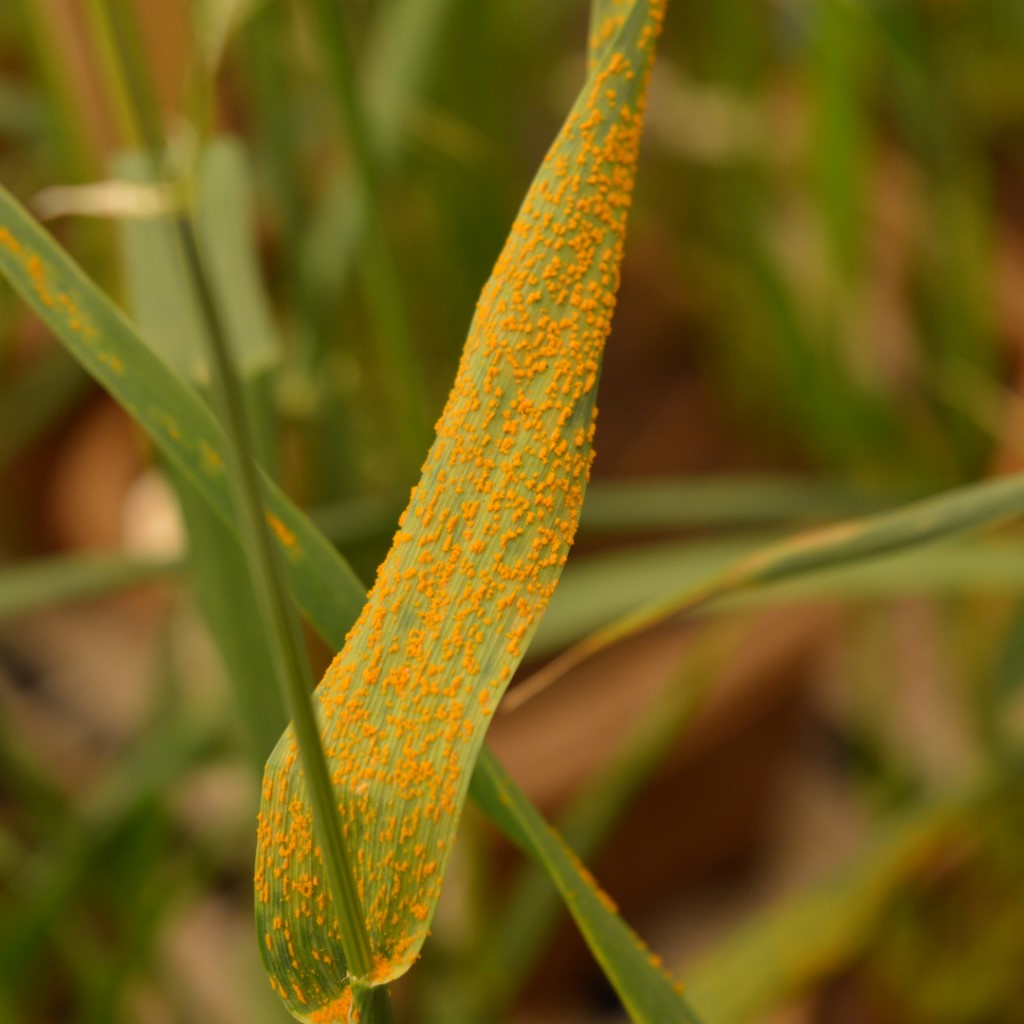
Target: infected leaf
405, 705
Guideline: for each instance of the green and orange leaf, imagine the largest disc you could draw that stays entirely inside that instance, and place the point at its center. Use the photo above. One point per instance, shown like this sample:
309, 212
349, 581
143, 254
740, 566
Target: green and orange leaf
405, 705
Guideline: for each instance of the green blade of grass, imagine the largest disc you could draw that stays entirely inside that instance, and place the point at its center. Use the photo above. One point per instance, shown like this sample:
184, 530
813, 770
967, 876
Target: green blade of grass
383, 286
405, 705
979, 567
155, 280
161, 301
617, 506
518, 939
646, 991
399, 54
603, 588
841, 147
291, 666
957, 511
276, 139
218, 565
43, 583
224, 222
652, 505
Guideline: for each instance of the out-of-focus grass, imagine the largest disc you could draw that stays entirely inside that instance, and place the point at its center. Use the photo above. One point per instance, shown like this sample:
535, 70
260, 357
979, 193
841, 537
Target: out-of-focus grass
827, 237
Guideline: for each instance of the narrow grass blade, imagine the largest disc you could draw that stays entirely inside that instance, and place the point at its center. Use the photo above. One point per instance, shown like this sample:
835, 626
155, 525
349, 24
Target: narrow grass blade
399, 53
842, 136
647, 992
520, 934
161, 300
41, 584
649, 505
957, 511
227, 236
617, 506
405, 705
155, 281
603, 588
383, 286
285, 645
981, 566
218, 568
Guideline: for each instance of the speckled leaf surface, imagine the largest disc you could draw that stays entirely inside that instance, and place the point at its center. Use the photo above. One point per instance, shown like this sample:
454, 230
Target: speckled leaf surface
404, 707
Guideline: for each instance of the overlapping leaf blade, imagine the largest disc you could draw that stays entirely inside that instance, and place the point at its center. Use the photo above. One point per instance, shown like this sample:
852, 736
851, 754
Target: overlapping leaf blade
405, 705
973, 507
646, 991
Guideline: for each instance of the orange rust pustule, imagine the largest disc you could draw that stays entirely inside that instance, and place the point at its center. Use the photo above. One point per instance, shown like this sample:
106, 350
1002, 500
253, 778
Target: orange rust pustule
337, 1011
54, 299
284, 534
403, 708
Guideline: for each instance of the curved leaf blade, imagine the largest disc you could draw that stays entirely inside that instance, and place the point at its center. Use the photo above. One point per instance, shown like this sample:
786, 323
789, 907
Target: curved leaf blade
960, 510
646, 990
405, 705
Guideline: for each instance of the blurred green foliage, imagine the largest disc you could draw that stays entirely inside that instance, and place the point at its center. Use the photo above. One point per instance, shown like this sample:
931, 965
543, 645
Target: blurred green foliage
828, 239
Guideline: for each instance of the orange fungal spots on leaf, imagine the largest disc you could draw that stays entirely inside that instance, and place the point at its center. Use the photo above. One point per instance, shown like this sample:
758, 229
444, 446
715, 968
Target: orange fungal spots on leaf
334, 1012
404, 707
211, 458
8, 241
34, 266
284, 535
112, 361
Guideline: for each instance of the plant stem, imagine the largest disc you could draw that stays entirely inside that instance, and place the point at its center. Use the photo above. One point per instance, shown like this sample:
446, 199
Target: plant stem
278, 615
113, 62
284, 633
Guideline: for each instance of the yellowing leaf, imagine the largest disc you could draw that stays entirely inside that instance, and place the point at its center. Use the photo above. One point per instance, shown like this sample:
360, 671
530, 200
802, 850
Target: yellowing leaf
404, 707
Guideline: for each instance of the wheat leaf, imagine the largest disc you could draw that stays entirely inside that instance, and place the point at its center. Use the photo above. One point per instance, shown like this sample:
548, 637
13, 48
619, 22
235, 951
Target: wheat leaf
405, 705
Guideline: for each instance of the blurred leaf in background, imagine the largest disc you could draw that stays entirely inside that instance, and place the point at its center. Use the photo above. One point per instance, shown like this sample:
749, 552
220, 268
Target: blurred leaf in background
820, 319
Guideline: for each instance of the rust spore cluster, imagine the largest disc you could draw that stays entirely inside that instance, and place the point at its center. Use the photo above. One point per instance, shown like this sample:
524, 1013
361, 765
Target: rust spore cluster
404, 706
